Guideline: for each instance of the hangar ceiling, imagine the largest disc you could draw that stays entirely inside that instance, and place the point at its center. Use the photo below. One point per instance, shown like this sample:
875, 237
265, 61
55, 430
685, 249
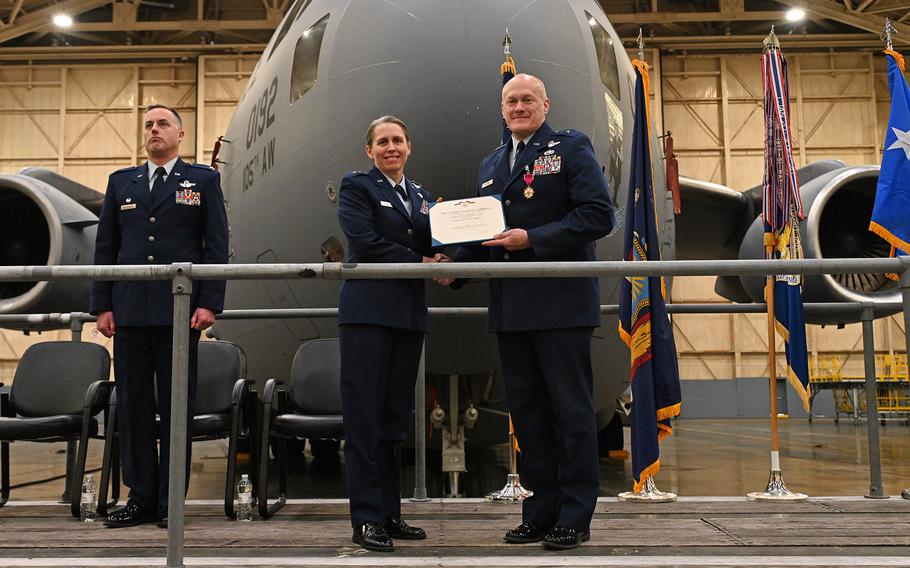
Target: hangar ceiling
218, 26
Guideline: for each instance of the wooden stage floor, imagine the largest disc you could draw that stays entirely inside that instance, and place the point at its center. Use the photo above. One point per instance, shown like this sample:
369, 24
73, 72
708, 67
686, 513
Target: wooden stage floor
695, 531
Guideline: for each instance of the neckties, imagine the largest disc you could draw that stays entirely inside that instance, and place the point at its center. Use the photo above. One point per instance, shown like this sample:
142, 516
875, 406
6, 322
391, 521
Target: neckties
158, 184
404, 195
518, 148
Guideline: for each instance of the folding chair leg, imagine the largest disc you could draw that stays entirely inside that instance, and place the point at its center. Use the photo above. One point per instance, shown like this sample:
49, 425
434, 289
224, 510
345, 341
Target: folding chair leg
231, 468
110, 465
67, 496
4, 473
266, 510
75, 488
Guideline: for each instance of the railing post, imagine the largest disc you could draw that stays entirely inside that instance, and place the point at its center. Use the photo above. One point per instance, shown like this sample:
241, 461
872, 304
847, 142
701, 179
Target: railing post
76, 324
420, 429
905, 297
182, 288
875, 455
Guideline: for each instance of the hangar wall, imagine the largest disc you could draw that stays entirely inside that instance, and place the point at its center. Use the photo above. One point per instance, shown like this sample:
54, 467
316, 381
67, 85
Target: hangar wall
83, 120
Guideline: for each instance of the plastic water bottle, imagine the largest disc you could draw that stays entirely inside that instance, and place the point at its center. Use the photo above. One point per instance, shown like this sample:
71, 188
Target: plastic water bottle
87, 506
244, 499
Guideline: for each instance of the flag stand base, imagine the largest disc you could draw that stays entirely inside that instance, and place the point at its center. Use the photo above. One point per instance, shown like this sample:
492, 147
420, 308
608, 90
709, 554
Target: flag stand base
648, 494
513, 492
776, 490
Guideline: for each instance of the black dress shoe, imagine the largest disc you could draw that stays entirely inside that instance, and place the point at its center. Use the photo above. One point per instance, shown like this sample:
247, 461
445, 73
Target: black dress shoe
395, 527
564, 538
161, 518
525, 532
372, 536
130, 516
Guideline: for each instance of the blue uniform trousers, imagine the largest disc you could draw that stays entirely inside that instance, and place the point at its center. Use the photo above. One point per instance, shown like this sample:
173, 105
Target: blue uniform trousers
140, 354
378, 373
550, 388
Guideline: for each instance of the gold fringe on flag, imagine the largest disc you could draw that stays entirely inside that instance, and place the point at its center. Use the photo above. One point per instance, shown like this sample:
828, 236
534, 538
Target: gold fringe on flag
508, 66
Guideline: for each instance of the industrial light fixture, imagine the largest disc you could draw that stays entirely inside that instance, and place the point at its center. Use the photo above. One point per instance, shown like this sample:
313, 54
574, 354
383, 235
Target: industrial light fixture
796, 14
62, 20
592, 21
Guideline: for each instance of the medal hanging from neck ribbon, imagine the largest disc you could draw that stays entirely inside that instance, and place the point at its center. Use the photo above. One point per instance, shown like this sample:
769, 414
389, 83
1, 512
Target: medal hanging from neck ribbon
529, 179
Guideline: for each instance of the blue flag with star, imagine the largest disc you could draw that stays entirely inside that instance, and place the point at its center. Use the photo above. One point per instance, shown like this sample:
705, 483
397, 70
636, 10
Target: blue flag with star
891, 215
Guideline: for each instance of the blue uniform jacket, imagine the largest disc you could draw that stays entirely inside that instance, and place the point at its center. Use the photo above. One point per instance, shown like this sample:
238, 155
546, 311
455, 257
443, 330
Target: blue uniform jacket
185, 223
570, 209
379, 229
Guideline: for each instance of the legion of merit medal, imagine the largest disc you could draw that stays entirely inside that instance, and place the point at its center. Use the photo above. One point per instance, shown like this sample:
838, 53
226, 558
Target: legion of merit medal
529, 179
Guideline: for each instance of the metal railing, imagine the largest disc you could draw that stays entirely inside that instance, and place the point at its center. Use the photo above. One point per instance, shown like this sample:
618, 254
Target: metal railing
182, 275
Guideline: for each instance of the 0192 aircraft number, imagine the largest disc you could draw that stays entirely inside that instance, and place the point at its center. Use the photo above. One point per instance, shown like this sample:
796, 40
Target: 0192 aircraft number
263, 115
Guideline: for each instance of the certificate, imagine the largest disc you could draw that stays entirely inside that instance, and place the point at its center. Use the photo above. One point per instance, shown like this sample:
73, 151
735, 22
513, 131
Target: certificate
464, 221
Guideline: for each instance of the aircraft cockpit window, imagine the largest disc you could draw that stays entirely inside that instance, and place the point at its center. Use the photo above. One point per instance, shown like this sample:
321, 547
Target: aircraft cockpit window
606, 56
306, 59
293, 14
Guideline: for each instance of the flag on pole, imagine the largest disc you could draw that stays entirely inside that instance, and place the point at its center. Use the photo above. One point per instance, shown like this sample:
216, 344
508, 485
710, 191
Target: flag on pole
507, 69
891, 214
782, 208
643, 321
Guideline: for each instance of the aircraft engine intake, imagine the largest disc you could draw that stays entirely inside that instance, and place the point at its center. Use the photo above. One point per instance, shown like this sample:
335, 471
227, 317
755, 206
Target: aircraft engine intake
43, 224
839, 206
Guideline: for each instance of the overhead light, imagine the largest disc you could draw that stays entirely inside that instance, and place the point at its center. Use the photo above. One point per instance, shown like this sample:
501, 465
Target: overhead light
796, 15
62, 20
592, 21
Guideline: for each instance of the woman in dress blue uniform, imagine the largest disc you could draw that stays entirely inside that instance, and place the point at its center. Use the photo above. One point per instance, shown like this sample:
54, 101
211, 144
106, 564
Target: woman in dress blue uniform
381, 329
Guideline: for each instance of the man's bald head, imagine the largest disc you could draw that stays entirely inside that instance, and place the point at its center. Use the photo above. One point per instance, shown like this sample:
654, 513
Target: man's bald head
527, 81
524, 104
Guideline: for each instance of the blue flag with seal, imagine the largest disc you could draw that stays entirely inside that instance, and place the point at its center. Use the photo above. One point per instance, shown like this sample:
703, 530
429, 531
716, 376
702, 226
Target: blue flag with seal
891, 214
644, 324
782, 209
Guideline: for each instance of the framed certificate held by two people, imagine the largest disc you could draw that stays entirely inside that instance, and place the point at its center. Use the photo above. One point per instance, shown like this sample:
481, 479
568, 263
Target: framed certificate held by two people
466, 221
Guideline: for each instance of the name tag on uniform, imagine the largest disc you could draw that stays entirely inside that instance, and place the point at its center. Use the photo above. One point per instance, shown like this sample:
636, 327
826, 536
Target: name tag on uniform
127, 206
188, 197
487, 183
385, 203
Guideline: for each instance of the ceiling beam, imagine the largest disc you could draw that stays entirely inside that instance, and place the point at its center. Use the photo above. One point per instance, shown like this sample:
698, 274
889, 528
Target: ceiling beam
41, 20
125, 53
176, 25
14, 13
754, 42
834, 11
683, 17
864, 5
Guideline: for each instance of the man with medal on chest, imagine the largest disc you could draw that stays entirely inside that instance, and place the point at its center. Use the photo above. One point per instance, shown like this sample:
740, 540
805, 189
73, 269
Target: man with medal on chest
556, 204
160, 212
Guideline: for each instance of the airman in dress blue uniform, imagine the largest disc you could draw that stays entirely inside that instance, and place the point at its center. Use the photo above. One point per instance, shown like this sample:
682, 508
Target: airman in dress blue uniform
556, 204
381, 326
160, 212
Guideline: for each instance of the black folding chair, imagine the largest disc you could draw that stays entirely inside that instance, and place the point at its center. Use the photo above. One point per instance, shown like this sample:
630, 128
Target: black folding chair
225, 408
58, 388
310, 407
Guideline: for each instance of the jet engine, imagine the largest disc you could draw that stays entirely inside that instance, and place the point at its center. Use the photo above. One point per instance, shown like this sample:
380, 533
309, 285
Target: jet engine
838, 207
45, 220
